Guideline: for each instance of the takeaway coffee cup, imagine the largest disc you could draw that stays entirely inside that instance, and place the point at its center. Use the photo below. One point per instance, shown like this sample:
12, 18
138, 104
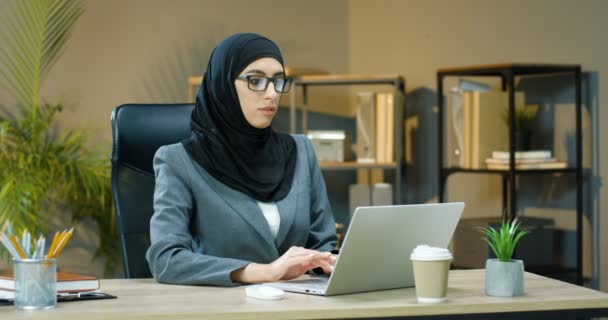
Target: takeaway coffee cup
431, 269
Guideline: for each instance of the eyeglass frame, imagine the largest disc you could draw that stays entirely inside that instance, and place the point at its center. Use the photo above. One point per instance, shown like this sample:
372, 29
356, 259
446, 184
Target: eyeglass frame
288, 81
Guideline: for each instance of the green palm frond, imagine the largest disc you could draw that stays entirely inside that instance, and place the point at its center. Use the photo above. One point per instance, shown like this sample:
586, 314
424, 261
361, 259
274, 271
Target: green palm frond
20, 53
45, 173
35, 33
60, 23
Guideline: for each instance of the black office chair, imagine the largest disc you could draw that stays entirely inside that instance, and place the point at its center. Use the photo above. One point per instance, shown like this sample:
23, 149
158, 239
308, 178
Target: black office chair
138, 130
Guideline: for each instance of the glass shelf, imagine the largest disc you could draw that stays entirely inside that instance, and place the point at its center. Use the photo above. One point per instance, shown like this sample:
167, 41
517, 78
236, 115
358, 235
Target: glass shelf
518, 171
352, 165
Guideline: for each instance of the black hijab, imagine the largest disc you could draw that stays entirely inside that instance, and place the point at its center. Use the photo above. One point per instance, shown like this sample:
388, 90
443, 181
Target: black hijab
257, 162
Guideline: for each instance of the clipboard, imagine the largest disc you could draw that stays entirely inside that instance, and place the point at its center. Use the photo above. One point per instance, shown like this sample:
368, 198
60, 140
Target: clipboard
81, 296
69, 297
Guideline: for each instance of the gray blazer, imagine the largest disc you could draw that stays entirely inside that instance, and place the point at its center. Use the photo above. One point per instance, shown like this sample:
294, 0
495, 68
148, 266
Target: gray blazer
202, 230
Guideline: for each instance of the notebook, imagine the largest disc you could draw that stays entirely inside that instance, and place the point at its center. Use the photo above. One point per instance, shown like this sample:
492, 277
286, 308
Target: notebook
66, 282
376, 250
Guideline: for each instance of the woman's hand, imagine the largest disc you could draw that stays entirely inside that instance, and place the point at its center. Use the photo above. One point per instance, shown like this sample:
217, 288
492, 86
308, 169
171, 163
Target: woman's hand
292, 264
297, 261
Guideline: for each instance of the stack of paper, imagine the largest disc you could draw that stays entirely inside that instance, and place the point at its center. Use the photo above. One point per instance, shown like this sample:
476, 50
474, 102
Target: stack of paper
525, 160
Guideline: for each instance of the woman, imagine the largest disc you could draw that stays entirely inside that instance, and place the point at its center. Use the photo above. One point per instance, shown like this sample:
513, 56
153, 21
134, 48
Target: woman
238, 202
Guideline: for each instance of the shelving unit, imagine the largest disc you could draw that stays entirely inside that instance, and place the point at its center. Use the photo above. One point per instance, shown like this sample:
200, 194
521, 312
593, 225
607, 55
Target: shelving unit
508, 73
394, 80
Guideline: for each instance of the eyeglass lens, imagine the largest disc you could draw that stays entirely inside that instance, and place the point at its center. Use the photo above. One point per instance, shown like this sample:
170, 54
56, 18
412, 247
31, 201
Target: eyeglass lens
259, 83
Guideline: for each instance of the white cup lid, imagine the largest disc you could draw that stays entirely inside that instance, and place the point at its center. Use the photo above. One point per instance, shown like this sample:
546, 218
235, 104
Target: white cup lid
428, 253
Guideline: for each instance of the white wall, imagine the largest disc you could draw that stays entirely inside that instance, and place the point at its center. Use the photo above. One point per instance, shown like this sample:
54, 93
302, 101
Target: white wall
416, 37
144, 50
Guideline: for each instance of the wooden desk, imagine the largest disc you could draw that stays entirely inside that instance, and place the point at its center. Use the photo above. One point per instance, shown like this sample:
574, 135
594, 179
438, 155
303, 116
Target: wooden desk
145, 299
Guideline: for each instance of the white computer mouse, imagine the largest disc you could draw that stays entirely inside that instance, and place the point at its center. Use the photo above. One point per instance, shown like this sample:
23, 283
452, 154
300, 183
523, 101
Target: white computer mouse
262, 292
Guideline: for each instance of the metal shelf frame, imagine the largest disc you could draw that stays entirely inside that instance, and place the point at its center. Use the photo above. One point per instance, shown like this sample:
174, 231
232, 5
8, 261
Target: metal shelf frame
508, 73
394, 80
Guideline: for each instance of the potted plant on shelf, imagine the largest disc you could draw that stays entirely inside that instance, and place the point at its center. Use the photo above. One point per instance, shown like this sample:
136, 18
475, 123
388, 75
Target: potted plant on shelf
524, 119
504, 276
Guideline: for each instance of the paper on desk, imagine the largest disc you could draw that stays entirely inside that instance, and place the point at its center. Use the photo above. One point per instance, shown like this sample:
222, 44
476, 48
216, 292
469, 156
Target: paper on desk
7, 295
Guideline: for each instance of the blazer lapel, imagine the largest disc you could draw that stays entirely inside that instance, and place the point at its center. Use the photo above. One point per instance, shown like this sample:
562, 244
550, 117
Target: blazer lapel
245, 206
287, 209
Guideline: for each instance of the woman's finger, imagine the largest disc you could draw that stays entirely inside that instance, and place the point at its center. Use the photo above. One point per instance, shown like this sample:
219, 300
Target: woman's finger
326, 266
308, 260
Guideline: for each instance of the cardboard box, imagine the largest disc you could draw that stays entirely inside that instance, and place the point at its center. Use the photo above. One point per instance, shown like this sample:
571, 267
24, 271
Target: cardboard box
359, 195
331, 145
382, 194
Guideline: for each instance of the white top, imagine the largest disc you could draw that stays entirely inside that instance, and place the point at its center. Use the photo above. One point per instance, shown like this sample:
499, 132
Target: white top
271, 213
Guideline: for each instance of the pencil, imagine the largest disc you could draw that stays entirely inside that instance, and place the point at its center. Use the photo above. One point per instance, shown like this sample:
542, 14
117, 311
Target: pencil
53, 244
17, 247
7, 243
61, 244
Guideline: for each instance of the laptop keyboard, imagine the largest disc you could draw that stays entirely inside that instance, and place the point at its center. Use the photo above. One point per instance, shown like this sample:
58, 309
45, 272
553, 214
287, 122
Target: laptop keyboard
316, 283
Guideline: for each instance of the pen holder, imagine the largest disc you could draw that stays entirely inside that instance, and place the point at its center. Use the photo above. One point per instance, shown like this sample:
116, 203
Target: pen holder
35, 283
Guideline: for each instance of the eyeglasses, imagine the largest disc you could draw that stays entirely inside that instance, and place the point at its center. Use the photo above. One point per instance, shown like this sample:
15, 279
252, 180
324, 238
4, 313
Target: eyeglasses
260, 83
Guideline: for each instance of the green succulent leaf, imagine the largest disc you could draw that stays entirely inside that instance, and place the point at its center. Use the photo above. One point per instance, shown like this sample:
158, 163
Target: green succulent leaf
503, 240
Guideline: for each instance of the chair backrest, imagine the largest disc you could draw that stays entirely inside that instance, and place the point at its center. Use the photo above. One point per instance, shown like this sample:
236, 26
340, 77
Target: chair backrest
138, 130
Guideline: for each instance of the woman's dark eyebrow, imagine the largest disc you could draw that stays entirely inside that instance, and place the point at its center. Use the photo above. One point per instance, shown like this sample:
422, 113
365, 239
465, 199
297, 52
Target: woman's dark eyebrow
262, 73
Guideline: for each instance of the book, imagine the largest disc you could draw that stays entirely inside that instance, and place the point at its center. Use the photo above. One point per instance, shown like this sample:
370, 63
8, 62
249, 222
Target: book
366, 133
518, 161
366, 127
66, 282
454, 135
484, 128
390, 127
532, 154
529, 166
381, 118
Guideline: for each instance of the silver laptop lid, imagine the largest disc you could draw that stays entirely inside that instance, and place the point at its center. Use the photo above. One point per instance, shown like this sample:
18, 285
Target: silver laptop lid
377, 246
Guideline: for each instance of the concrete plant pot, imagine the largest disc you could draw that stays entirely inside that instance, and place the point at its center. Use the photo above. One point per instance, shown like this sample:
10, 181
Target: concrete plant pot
504, 279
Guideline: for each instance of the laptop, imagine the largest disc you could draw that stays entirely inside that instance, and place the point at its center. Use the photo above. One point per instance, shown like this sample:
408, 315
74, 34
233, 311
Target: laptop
376, 251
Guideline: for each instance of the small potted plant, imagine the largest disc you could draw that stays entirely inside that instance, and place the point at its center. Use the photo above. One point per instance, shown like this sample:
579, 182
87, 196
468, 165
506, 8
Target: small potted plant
524, 121
504, 276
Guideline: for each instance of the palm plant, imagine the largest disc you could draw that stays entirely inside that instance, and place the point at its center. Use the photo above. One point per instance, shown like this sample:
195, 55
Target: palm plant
503, 240
43, 171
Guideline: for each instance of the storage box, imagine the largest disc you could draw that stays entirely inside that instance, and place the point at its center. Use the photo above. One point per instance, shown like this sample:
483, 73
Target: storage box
365, 195
333, 145
359, 195
535, 248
